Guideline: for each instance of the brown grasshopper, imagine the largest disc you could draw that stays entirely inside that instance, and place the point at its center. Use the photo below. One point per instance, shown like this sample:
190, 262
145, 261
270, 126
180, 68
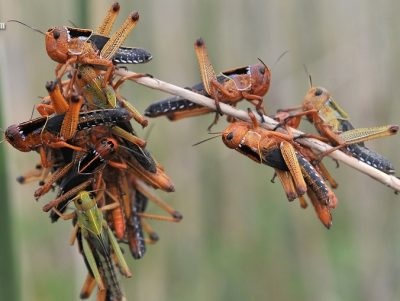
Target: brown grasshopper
249, 82
43, 132
67, 45
94, 85
279, 151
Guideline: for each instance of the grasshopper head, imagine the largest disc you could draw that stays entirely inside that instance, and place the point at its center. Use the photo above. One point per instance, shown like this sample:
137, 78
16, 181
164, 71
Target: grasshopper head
233, 136
260, 78
62, 42
84, 201
107, 147
16, 138
57, 44
315, 98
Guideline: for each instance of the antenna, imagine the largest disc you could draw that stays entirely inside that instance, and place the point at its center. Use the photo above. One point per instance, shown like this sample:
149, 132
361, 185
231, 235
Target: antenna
207, 139
308, 74
22, 23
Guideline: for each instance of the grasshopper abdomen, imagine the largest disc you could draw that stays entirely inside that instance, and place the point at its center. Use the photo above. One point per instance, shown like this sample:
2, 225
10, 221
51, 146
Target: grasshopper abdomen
315, 182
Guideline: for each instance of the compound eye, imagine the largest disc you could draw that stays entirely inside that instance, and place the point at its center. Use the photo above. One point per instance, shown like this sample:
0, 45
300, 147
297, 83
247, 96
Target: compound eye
56, 34
79, 202
318, 92
229, 137
10, 137
261, 69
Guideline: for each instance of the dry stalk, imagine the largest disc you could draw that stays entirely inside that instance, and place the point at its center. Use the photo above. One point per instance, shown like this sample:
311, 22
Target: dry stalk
388, 180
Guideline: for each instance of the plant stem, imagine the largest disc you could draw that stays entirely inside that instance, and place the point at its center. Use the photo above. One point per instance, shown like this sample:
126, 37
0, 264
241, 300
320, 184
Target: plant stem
388, 180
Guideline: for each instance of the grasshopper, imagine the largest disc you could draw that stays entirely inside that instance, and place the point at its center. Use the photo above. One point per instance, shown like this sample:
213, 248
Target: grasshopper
42, 132
92, 83
78, 174
249, 82
67, 45
89, 83
333, 124
98, 242
129, 219
279, 151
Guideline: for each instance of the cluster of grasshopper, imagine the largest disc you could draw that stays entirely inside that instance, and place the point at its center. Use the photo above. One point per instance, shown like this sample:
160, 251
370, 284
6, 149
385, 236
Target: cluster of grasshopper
298, 168
90, 153
101, 169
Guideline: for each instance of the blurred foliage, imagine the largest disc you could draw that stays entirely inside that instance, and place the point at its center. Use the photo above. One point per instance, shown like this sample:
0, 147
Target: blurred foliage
240, 238
9, 286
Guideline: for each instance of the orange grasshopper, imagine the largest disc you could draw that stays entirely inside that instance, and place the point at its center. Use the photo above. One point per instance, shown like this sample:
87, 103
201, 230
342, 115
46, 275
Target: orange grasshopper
279, 151
249, 82
333, 124
94, 86
67, 45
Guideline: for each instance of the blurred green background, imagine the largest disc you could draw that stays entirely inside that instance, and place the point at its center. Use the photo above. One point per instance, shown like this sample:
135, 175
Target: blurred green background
239, 239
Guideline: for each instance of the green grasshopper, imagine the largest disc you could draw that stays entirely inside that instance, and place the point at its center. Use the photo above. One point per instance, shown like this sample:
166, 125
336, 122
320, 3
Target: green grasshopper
113, 289
98, 242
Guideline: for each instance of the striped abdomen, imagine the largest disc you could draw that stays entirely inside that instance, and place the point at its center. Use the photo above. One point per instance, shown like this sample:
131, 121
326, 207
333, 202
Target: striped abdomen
315, 182
371, 158
110, 278
170, 105
136, 240
366, 155
131, 55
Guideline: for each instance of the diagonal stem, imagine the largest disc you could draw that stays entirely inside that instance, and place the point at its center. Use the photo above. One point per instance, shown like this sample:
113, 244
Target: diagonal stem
389, 180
